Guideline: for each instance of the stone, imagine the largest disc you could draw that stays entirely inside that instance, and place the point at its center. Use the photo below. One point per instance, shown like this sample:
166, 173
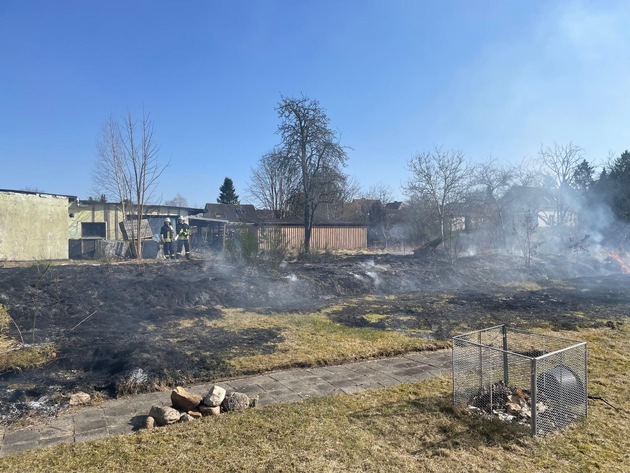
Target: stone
80, 399
513, 408
235, 402
215, 396
149, 423
184, 400
186, 417
196, 414
253, 401
164, 415
209, 411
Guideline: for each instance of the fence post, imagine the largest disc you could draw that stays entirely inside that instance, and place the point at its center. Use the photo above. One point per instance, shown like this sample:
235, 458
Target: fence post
505, 356
534, 397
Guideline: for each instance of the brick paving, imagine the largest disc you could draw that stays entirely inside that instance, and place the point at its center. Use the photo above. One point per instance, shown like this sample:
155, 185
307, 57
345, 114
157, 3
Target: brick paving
126, 415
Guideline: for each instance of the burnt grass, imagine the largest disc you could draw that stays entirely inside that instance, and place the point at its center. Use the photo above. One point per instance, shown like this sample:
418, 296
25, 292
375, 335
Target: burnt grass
127, 327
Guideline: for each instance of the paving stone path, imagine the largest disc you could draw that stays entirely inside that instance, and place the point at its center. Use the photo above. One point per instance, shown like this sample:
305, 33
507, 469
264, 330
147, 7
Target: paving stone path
120, 416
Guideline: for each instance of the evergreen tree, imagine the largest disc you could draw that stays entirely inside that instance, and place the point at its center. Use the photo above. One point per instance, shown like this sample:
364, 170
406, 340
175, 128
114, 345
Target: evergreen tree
583, 176
619, 189
228, 193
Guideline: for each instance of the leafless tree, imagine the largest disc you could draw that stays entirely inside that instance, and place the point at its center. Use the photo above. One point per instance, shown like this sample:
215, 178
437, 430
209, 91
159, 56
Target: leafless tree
273, 182
494, 180
560, 162
313, 148
441, 178
527, 174
340, 191
110, 177
380, 191
177, 201
524, 231
128, 167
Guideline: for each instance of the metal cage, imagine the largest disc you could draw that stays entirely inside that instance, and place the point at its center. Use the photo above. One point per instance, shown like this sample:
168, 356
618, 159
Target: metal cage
534, 379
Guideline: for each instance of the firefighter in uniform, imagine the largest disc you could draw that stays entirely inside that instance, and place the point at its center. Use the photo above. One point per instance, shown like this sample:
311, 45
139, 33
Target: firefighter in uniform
183, 236
167, 234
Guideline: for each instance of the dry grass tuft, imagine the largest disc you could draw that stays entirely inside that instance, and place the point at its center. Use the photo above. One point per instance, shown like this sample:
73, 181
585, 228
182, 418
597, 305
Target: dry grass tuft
15, 356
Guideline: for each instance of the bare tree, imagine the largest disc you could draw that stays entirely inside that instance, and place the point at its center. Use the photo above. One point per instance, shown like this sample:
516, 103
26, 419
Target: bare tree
310, 146
177, 201
110, 177
380, 191
525, 231
273, 182
441, 178
128, 167
340, 190
527, 174
560, 162
494, 181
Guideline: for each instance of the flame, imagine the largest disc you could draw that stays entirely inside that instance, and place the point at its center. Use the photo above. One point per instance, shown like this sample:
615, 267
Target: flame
625, 269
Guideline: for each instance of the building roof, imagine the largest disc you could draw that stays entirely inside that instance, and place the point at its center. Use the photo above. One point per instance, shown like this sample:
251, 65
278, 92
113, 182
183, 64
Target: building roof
11, 191
165, 210
235, 213
532, 198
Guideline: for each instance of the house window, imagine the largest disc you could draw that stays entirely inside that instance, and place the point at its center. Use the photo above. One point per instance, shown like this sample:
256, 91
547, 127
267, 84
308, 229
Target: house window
92, 229
239, 212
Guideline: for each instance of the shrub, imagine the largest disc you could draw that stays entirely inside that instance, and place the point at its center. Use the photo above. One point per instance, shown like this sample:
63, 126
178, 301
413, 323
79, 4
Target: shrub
278, 246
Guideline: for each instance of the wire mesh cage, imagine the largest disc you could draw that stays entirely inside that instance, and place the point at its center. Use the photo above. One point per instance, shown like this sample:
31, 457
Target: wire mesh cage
519, 376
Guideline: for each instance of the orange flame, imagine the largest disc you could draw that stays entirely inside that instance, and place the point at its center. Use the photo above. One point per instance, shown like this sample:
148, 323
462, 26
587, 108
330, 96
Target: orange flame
625, 269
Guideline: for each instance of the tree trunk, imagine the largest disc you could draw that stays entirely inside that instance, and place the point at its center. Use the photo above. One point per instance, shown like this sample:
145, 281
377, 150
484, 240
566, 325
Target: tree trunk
308, 227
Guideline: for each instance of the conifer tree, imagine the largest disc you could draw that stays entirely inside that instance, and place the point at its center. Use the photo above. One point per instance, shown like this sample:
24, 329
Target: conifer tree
228, 193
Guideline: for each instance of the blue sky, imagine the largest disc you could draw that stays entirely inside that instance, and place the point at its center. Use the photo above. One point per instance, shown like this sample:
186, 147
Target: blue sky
494, 79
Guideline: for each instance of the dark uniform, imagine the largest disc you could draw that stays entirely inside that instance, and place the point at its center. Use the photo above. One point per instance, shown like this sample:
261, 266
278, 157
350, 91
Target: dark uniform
167, 234
183, 236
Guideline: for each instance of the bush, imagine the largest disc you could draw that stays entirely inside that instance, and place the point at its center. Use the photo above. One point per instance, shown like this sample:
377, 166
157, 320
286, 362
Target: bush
242, 243
278, 247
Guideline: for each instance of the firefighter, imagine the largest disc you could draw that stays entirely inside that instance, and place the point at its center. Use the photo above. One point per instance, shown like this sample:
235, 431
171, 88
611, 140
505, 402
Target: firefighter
167, 234
183, 236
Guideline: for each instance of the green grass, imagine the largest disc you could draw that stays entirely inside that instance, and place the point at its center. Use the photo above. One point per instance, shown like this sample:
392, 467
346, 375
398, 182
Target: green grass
410, 427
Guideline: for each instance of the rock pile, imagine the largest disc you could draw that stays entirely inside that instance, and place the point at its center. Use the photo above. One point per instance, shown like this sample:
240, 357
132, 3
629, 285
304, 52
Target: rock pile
187, 406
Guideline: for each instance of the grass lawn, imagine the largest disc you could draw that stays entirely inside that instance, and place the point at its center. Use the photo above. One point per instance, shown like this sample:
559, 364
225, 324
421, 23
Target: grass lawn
411, 427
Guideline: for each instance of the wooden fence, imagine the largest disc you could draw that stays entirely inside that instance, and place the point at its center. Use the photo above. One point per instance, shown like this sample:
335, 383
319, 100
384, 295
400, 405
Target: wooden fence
322, 237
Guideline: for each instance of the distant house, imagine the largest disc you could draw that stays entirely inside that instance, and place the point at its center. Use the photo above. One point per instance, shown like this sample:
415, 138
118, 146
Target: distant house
233, 213
545, 204
33, 225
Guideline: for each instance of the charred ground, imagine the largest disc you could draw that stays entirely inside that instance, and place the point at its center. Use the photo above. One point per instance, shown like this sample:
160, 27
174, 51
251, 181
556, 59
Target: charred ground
120, 327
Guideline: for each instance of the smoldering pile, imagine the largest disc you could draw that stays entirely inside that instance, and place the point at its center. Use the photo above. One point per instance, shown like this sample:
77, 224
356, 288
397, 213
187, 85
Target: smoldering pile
507, 403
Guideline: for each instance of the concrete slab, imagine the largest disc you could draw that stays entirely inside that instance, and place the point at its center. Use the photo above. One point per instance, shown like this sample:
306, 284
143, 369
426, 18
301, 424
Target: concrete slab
91, 435
82, 426
21, 436
13, 448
